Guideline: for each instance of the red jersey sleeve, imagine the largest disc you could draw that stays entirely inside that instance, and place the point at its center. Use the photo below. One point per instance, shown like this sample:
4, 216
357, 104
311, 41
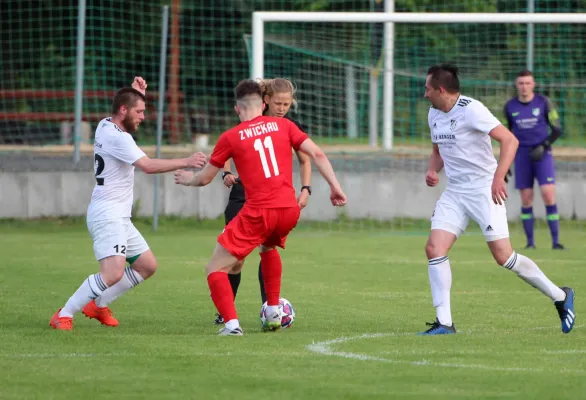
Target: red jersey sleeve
296, 135
222, 152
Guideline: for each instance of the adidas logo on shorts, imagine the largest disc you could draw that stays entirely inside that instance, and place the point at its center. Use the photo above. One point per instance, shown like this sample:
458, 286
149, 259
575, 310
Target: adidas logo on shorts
488, 229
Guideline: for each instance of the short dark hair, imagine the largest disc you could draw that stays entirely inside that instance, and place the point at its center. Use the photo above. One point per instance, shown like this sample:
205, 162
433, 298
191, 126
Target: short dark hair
126, 97
525, 72
247, 87
445, 75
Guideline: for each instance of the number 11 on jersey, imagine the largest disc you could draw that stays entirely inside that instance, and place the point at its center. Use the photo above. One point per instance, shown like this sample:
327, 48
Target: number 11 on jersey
260, 145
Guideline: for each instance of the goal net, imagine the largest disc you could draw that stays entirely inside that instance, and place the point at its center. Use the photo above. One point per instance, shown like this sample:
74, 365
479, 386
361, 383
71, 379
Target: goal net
333, 60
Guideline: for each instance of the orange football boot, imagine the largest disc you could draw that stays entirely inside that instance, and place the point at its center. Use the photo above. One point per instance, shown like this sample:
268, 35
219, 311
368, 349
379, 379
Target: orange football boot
102, 314
61, 323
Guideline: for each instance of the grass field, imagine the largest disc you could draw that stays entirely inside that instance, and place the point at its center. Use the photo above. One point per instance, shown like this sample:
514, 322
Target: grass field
359, 298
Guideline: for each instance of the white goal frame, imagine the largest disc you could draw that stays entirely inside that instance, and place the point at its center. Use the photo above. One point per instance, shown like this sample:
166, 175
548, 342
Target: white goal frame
389, 18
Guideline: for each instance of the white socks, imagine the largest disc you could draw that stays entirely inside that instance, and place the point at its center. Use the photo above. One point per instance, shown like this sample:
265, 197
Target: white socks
91, 288
527, 270
130, 279
232, 324
440, 278
272, 313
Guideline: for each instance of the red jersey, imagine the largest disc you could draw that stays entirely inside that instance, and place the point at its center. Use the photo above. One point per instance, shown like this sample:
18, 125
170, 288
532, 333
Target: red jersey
261, 150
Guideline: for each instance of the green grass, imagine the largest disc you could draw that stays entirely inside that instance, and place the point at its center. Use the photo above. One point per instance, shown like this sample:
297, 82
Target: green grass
342, 284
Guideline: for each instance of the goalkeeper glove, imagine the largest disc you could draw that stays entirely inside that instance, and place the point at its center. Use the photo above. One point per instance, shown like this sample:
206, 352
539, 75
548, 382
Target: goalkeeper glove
537, 152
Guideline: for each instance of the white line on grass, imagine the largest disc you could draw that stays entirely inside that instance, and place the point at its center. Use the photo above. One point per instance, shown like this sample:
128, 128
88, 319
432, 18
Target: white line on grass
66, 355
325, 348
577, 351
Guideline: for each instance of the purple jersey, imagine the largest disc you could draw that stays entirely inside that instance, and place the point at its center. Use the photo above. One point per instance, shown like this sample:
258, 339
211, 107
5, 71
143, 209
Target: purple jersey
530, 122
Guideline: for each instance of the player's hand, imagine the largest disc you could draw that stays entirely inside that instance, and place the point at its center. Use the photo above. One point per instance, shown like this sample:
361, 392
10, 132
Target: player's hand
536, 153
431, 178
139, 84
183, 177
197, 160
499, 191
337, 197
229, 180
303, 199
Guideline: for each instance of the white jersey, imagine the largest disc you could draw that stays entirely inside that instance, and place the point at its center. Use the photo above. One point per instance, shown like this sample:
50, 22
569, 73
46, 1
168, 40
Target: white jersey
462, 137
114, 153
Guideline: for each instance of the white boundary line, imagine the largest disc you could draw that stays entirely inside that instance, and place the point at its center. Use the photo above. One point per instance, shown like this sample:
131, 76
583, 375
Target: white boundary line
66, 355
325, 348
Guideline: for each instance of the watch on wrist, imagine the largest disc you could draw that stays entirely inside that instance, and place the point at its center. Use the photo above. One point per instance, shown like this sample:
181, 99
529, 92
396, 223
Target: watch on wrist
226, 173
308, 188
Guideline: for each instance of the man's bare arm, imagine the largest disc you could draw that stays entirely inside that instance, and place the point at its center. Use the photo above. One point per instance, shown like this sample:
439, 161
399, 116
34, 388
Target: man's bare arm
509, 145
205, 176
157, 165
436, 163
321, 162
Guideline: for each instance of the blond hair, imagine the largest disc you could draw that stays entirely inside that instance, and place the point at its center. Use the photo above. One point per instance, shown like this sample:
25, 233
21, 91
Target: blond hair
270, 87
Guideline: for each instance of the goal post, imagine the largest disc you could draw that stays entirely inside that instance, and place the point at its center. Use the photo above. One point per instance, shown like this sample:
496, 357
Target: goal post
260, 18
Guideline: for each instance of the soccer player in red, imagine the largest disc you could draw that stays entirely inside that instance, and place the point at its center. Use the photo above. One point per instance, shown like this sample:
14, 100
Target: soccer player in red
261, 148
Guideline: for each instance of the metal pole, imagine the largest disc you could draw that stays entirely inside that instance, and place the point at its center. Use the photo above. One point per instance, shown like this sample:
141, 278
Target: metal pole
79, 80
351, 122
373, 109
174, 72
258, 50
161, 107
530, 36
388, 79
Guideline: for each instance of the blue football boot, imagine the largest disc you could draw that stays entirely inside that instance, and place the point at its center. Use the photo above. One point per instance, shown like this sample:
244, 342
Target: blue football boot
566, 310
438, 329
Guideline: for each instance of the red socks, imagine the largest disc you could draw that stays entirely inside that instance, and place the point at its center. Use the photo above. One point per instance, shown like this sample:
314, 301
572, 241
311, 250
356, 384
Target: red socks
272, 268
222, 296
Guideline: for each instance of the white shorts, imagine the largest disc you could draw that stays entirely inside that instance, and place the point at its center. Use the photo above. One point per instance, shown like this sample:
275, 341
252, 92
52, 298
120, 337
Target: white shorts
116, 237
453, 210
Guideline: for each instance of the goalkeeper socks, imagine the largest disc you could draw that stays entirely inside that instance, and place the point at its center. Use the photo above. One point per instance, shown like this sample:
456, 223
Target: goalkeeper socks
440, 279
235, 282
272, 269
222, 296
527, 270
553, 220
527, 218
130, 279
90, 289
263, 295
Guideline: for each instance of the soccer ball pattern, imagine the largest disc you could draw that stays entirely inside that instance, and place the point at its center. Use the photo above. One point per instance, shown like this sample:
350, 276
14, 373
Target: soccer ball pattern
287, 313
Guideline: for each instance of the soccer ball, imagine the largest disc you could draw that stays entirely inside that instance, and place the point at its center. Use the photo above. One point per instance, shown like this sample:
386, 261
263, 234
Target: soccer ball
287, 313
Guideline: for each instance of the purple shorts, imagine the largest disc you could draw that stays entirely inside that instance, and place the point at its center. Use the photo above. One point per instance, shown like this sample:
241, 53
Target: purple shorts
526, 171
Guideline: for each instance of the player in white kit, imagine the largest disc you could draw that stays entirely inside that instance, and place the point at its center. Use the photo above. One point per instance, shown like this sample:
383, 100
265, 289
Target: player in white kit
116, 240
461, 131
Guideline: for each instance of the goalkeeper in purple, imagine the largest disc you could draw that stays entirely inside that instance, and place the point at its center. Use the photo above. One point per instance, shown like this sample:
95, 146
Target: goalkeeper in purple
530, 117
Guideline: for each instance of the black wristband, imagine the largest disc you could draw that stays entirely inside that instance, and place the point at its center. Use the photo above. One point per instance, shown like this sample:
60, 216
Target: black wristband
226, 173
308, 189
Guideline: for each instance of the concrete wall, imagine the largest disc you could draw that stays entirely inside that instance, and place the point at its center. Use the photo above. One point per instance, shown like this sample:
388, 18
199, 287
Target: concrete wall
371, 194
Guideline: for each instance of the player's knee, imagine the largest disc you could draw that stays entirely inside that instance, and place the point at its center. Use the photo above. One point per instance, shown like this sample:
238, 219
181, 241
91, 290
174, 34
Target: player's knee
527, 197
148, 269
145, 265
549, 197
502, 254
112, 277
432, 250
501, 258
237, 268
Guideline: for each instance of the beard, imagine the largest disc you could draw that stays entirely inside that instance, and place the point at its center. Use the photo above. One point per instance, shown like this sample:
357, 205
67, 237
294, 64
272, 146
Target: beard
129, 124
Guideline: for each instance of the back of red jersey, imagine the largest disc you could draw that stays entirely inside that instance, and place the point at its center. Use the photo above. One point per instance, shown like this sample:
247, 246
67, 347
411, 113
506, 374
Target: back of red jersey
261, 150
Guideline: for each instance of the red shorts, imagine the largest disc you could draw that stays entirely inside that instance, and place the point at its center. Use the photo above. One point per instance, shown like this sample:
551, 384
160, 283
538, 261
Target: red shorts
255, 226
